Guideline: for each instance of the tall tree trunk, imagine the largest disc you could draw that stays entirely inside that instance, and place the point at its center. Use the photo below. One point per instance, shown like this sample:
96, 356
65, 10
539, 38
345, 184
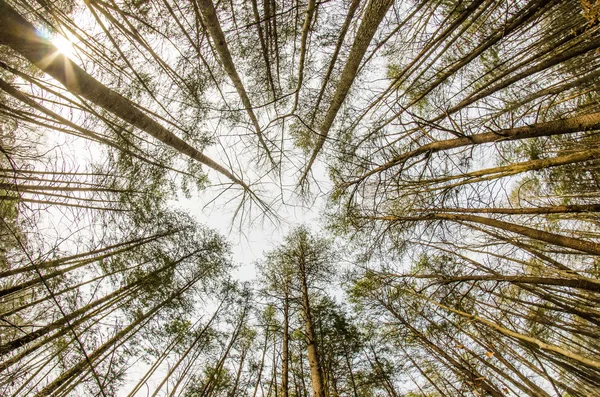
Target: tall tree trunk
209, 16
262, 363
375, 11
534, 234
14, 344
130, 244
310, 10
21, 36
68, 375
336, 51
313, 355
182, 357
490, 174
557, 127
285, 348
210, 385
589, 362
466, 372
580, 283
234, 389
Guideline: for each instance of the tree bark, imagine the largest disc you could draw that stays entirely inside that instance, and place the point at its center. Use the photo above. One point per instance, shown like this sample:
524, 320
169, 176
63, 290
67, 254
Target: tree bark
285, 348
313, 355
21, 36
209, 16
374, 14
557, 127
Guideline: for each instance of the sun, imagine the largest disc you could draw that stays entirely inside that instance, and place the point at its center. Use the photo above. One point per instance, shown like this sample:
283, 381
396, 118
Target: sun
64, 46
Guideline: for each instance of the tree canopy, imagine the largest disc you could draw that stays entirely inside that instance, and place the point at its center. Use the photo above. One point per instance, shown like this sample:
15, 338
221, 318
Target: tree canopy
448, 152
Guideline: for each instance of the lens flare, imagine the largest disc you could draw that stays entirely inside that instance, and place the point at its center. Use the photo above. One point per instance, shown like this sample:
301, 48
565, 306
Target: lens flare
64, 46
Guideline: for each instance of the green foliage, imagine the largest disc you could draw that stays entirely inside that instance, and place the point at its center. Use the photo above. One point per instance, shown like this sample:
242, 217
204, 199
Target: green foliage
303, 138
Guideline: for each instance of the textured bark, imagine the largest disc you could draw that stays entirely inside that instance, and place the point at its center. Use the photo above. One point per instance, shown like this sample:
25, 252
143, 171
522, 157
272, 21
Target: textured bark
314, 363
557, 127
209, 16
535, 234
21, 36
521, 337
310, 10
375, 11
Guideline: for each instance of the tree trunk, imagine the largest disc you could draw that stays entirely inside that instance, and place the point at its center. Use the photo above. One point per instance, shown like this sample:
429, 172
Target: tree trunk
209, 16
310, 10
375, 11
557, 127
521, 337
585, 284
21, 36
313, 355
14, 344
285, 349
262, 363
66, 376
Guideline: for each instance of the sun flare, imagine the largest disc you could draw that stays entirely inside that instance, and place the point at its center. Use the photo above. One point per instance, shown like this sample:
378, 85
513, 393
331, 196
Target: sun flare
64, 46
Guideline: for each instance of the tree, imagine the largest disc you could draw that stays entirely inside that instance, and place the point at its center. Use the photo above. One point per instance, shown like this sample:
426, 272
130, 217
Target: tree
461, 178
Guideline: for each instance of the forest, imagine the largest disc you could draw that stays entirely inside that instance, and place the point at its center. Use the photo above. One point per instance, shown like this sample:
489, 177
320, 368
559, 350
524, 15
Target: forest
300, 198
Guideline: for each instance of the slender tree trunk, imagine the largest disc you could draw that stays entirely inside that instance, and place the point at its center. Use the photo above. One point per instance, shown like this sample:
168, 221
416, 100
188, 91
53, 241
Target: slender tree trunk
310, 10
350, 371
556, 209
592, 363
375, 11
540, 235
96, 354
127, 245
557, 127
490, 174
469, 374
262, 363
209, 16
585, 284
181, 358
285, 348
234, 390
535, 234
263, 45
338, 46
313, 355
423, 373
84, 132
14, 344
210, 385
21, 36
